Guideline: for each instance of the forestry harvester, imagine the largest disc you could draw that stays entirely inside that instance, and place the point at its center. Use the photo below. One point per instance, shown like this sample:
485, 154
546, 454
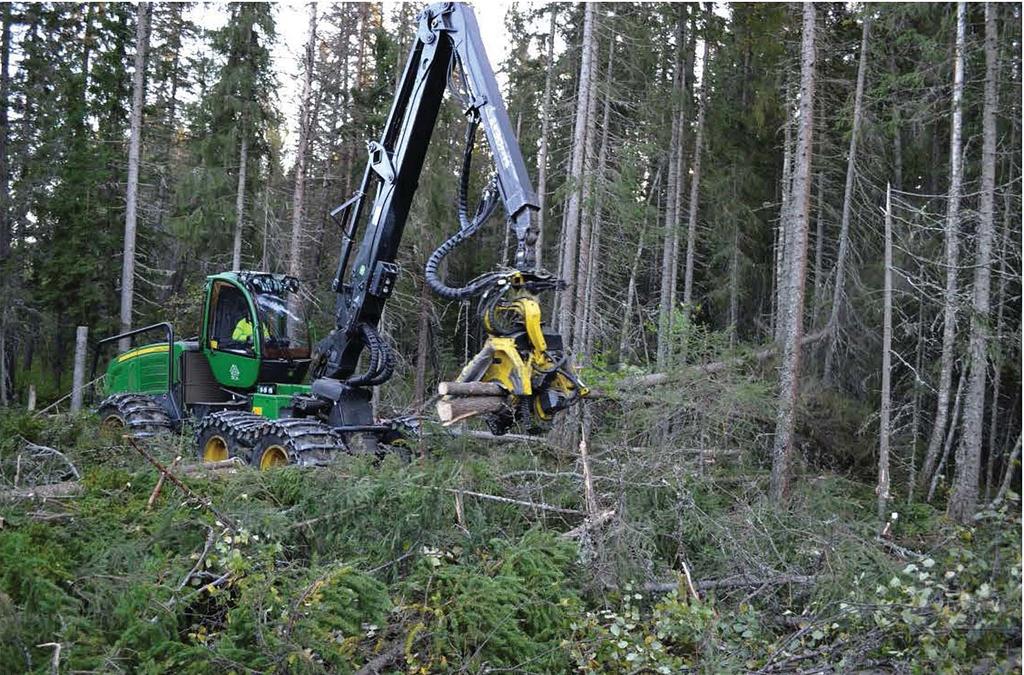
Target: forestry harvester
241, 380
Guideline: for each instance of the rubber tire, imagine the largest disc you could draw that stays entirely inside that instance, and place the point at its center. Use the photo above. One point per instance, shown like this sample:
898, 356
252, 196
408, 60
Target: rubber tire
208, 436
236, 430
300, 440
137, 414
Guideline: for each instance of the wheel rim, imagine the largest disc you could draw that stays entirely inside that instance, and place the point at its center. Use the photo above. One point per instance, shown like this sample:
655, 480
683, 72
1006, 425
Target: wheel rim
272, 456
215, 449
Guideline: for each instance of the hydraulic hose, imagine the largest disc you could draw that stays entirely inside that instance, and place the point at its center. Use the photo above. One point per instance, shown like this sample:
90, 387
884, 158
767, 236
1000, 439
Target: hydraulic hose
382, 361
467, 228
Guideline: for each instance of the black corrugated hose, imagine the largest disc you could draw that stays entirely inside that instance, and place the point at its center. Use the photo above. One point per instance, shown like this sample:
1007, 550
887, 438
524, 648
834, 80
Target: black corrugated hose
467, 228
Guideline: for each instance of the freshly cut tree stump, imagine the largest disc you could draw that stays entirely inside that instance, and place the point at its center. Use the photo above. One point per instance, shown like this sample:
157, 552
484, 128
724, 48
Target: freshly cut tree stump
470, 389
451, 410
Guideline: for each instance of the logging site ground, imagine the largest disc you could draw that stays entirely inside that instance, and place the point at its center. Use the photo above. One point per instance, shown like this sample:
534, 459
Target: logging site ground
510, 337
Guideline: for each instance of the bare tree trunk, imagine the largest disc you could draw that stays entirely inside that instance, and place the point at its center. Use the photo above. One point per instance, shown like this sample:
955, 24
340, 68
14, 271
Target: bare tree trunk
545, 131
306, 124
671, 236
134, 146
685, 89
951, 254
4, 373
588, 218
839, 286
691, 232
78, 373
998, 375
734, 286
819, 251
419, 395
5, 85
243, 159
5, 200
964, 500
1011, 468
595, 236
780, 230
915, 409
570, 238
793, 330
951, 432
882, 490
627, 315
897, 133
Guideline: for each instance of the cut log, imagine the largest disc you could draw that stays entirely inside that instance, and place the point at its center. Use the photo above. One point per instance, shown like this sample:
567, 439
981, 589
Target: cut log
471, 389
457, 409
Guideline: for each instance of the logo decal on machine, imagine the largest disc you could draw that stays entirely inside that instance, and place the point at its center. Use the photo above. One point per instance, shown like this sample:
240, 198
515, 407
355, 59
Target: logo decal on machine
234, 372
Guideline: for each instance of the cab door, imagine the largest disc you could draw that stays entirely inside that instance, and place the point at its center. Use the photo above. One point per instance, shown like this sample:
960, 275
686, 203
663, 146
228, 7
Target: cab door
230, 342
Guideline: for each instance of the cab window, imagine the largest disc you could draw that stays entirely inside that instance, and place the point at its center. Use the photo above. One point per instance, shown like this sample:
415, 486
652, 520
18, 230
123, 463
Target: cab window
231, 322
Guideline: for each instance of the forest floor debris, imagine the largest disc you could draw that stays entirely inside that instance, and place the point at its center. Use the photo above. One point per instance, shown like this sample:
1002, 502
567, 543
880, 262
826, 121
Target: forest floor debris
374, 567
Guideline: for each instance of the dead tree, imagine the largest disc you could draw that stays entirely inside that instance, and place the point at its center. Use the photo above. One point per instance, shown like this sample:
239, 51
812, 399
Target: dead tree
134, 153
839, 289
886, 405
797, 234
306, 124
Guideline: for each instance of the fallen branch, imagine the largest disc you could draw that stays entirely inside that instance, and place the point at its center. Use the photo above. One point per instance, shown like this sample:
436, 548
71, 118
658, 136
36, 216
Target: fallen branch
159, 485
589, 524
209, 467
654, 379
63, 489
55, 660
391, 655
508, 500
210, 538
205, 501
504, 438
737, 581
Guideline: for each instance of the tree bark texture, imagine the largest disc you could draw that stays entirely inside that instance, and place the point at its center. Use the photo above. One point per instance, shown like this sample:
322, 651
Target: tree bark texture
952, 255
964, 499
570, 236
885, 424
798, 225
243, 160
545, 132
691, 225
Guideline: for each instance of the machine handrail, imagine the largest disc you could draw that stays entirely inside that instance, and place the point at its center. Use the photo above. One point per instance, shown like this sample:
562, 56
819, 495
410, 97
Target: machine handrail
168, 333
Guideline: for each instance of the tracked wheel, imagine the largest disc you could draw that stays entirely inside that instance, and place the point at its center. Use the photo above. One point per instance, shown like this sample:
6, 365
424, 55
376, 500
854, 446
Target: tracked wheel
139, 415
294, 441
226, 434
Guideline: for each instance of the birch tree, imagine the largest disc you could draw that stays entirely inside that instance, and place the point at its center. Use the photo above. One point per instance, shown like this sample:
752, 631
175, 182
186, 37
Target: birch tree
842, 257
799, 214
952, 255
963, 501
134, 150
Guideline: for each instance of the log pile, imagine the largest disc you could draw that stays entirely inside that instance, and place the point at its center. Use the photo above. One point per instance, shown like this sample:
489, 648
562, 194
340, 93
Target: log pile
463, 400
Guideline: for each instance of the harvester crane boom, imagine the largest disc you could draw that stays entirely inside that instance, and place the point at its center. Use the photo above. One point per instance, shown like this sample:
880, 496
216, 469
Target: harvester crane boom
447, 45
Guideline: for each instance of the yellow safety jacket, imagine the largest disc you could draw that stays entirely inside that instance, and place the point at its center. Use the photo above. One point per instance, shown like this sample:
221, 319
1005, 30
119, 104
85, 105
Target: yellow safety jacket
243, 330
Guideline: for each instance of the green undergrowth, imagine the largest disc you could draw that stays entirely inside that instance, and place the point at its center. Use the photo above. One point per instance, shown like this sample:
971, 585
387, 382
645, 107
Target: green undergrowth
324, 570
